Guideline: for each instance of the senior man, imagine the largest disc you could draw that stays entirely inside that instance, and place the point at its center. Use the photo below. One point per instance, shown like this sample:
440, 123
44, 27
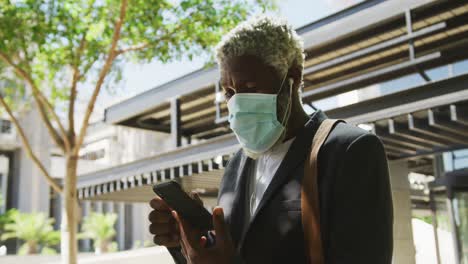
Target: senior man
258, 219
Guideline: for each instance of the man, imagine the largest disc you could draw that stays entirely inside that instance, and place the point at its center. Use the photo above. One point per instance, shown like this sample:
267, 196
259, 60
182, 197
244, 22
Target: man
258, 219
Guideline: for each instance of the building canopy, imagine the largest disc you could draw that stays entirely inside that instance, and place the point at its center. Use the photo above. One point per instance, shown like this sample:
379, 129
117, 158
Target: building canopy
367, 44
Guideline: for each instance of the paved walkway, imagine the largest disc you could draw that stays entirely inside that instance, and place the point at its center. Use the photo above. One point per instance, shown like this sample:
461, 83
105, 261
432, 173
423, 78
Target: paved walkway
153, 255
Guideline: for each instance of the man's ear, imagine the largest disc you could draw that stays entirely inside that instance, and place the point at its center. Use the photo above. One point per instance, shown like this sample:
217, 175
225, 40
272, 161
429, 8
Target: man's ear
295, 72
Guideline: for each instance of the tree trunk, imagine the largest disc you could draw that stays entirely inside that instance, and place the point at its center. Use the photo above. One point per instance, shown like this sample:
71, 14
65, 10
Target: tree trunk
101, 246
31, 248
69, 246
105, 246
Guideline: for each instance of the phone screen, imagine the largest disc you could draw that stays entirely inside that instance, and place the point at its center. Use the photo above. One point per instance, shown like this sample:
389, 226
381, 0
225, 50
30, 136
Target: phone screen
173, 194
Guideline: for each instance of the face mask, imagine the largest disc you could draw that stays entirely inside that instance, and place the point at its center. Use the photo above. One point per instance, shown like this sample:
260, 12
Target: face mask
253, 119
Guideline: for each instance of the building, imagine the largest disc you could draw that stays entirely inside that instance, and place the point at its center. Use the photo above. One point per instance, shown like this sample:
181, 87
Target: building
7, 144
105, 147
22, 185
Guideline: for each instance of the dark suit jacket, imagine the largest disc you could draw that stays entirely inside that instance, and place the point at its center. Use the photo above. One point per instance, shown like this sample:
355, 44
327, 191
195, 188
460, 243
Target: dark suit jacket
355, 201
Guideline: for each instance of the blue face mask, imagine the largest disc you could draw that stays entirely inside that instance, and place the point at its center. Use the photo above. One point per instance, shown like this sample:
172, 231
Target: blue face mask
253, 119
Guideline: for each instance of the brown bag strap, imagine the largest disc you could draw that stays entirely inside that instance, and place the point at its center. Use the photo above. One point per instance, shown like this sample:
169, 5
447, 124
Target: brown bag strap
310, 196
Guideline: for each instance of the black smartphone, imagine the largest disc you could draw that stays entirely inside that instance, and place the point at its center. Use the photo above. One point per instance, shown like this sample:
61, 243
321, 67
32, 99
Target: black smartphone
194, 213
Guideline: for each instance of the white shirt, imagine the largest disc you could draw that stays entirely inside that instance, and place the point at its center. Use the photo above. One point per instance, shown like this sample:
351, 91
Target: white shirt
263, 171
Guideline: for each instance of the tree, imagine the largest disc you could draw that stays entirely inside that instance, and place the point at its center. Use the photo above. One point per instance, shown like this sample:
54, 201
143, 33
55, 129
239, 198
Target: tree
100, 228
51, 50
35, 229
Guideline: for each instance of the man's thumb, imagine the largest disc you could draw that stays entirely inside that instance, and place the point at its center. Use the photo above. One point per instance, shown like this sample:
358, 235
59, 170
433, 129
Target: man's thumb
220, 226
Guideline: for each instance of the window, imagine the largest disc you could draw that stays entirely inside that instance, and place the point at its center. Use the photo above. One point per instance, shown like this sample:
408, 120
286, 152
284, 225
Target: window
5, 126
93, 155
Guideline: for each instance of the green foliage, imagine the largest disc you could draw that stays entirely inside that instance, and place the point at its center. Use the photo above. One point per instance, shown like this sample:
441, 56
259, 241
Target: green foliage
427, 219
142, 244
25, 250
48, 251
6, 218
99, 227
113, 247
266, 5
148, 243
13, 92
44, 37
35, 229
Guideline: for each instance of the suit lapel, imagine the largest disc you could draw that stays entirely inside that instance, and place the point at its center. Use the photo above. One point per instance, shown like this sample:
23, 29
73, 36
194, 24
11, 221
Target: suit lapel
294, 157
238, 205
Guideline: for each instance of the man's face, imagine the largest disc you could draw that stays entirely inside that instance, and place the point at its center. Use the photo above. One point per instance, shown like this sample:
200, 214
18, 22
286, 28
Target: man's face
248, 74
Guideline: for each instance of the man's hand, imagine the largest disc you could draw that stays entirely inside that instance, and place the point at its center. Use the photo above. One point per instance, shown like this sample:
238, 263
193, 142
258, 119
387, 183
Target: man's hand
193, 245
163, 225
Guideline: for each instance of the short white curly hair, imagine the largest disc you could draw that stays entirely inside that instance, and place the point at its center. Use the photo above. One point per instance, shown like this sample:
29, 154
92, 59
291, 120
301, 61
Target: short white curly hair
271, 39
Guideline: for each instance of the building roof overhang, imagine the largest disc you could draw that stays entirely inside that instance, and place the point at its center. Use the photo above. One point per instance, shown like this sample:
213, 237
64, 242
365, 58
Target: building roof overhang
367, 44
413, 124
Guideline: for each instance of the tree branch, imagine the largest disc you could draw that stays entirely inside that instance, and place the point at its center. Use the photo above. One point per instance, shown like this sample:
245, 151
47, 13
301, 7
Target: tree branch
62, 142
54, 116
71, 107
28, 148
134, 48
87, 67
143, 46
76, 77
102, 75
26, 54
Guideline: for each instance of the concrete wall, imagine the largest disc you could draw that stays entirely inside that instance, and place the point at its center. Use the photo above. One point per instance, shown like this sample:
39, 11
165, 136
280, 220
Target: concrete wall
134, 144
404, 250
33, 190
28, 189
140, 227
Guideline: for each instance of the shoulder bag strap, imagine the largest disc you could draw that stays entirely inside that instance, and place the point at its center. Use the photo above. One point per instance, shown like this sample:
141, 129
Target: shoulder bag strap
310, 196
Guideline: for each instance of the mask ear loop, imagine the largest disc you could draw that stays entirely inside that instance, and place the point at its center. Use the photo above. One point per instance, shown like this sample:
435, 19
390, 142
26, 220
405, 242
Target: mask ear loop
288, 107
279, 92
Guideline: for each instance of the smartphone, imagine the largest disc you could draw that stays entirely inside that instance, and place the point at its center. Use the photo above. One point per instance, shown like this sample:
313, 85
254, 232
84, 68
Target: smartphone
189, 209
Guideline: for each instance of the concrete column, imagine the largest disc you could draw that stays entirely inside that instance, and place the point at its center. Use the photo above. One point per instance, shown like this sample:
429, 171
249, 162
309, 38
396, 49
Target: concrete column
109, 207
403, 249
121, 225
57, 210
128, 227
98, 207
86, 212
3, 191
175, 123
30, 179
4, 170
139, 230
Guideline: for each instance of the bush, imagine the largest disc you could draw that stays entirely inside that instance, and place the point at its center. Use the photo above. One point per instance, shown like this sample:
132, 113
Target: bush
100, 228
35, 229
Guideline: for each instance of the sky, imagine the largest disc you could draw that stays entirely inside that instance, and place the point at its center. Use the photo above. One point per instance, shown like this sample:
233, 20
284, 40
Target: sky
140, 78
